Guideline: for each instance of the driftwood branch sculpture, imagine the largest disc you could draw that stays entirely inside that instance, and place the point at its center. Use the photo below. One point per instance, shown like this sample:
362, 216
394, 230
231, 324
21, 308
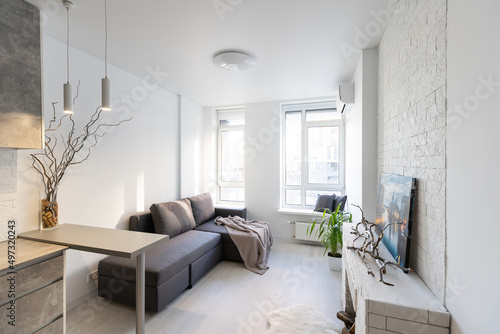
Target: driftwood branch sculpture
370, 241
64, 150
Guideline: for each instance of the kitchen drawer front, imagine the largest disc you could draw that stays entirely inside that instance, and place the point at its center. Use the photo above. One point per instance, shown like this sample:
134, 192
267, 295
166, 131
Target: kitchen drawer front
55, 327
35, 310
33, 277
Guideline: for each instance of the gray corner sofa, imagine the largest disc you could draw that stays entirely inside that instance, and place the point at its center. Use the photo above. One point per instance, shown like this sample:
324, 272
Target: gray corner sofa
176, 264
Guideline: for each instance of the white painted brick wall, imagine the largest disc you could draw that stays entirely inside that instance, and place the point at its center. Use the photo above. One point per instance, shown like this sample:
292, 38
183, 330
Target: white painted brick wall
412, 124
8, 189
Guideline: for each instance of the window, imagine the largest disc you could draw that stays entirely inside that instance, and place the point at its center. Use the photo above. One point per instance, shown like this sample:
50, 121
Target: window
313, 150
231, 160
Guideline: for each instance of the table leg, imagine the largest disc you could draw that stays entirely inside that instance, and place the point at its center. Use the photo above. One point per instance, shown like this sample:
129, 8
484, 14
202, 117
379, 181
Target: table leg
140, 291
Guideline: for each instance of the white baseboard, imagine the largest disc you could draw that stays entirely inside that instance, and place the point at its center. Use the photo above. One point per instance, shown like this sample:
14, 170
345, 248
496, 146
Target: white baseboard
74, 303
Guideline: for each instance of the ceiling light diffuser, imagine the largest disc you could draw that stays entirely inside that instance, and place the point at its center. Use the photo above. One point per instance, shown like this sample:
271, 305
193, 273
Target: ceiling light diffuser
234, 60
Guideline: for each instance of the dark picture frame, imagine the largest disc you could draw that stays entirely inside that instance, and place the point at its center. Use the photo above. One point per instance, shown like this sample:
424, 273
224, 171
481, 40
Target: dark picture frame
395, 201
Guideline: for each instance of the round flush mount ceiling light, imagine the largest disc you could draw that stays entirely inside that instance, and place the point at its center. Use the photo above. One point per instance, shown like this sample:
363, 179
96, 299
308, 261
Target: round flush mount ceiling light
234, 60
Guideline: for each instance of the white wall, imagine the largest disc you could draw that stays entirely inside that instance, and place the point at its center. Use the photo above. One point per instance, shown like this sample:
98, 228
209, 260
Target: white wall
411, 137
354, 145
262, 167
473, 160
8, 190
209, 173
191, 147
135, 165
361, 138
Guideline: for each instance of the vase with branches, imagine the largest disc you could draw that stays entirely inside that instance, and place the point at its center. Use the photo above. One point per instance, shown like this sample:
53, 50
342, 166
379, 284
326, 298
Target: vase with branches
63, 150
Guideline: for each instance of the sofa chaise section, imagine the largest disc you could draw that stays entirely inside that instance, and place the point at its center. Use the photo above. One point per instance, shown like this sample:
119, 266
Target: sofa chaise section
229, 250
171, 267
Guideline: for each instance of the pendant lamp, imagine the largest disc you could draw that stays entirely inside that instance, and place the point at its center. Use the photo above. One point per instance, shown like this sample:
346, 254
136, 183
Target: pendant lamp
105, 83
68, 94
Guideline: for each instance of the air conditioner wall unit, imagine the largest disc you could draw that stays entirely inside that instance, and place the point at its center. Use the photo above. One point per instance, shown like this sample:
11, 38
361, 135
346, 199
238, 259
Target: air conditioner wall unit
345, 97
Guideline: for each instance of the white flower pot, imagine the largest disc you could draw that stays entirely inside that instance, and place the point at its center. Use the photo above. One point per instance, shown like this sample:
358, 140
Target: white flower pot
335, 263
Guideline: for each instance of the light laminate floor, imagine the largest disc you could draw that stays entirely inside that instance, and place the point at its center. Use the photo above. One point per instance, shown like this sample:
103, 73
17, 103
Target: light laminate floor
229, 299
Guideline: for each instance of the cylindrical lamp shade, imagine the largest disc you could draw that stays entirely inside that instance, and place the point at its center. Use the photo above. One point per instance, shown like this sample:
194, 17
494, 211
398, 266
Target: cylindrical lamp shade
68, 99
106, 94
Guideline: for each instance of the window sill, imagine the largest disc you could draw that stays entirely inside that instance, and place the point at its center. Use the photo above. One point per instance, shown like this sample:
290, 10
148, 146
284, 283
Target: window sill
229, 205
299, 212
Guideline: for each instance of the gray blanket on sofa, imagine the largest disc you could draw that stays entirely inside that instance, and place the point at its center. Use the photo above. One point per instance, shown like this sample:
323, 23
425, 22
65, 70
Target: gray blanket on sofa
252, 238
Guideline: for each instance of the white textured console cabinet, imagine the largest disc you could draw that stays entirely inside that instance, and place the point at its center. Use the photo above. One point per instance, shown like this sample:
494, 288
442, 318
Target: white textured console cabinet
407, 307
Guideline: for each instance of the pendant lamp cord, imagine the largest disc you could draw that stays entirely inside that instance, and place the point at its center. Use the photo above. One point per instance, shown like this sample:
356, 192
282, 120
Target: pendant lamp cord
106, 38
67, 42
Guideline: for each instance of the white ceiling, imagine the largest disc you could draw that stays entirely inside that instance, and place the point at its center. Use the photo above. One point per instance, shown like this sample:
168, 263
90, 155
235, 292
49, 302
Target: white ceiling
296, 42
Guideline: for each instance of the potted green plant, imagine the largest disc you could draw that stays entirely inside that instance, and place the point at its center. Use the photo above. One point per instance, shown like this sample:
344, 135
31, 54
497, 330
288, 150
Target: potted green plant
329, 233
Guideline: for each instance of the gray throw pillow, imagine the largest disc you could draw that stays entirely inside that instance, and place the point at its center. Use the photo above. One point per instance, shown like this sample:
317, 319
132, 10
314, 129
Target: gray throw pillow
203, 208
339, 200
172, 218
324, 202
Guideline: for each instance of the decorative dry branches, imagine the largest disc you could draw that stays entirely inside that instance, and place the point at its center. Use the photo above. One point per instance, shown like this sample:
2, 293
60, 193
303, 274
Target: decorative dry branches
53, 162
366, 231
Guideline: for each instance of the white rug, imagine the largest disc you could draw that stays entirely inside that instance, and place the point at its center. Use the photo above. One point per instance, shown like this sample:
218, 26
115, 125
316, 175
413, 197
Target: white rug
300, 319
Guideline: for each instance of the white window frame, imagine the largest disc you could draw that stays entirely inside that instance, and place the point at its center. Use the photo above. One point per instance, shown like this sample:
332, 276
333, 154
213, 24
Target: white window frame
220, 129
305, 185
